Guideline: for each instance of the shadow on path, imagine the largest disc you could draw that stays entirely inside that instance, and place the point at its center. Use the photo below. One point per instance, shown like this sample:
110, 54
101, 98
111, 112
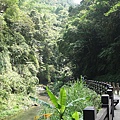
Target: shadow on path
117, 108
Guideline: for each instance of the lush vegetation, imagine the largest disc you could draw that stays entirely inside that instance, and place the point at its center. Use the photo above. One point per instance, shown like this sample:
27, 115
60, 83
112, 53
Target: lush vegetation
91, 40
29, 55
70, 103
43, 41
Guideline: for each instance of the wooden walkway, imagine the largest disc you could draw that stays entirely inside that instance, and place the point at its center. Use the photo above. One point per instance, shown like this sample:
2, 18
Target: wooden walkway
107, 101
117, 109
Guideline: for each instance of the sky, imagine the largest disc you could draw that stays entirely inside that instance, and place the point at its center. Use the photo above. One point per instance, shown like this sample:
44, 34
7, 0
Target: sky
77, 1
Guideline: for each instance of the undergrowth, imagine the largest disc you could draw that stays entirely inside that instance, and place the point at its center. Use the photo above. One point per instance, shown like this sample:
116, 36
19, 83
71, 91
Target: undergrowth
14, 93
77, 98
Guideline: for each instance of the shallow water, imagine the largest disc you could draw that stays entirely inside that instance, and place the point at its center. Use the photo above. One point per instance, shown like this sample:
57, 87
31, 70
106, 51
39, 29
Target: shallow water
27, 114
32, 112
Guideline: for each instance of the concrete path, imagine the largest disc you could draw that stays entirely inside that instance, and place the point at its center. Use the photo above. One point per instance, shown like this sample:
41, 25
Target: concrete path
117, 109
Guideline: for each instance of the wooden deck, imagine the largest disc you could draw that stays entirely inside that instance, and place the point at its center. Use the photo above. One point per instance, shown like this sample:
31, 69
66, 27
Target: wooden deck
117, 109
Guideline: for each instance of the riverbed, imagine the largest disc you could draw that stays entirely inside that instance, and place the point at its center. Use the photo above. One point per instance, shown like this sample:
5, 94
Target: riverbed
29, 114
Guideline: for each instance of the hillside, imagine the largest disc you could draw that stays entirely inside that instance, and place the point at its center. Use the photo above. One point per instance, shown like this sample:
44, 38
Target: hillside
29, 52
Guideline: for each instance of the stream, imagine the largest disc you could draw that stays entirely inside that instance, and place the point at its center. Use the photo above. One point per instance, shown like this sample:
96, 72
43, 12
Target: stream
26, 115
33, 111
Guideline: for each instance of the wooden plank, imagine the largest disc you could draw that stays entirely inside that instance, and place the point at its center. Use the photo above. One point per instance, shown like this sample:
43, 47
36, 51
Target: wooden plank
110, 117
110, 106
102, 114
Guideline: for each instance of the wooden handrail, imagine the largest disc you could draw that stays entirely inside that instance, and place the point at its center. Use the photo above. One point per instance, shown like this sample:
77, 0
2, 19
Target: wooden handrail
107, 100
102, 114
89, 113
101, 87
98, 87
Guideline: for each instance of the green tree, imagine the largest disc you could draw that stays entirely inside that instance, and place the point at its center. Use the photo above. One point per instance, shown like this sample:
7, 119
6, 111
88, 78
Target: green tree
91, 38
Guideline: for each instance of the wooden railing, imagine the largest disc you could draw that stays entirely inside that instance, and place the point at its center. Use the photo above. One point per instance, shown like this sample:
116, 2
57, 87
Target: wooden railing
116, 87
101, 87
107, 101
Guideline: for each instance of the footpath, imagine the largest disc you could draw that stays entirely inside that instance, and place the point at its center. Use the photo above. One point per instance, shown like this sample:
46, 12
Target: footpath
117, 109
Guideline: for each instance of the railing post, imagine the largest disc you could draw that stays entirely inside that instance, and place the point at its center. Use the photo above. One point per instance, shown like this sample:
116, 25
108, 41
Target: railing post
89, 113
101, 88
110, 93
105, 104
117, 86
113, 84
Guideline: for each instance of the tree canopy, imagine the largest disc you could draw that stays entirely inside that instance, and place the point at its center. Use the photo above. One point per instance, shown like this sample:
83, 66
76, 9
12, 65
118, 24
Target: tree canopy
92, 36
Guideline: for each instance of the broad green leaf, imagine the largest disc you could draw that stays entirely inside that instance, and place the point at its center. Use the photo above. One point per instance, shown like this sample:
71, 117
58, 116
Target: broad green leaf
63, 97
75, 115
53, 98
62, 109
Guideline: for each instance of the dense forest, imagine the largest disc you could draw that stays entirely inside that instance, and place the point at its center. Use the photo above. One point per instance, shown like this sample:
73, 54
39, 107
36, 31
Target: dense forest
29, 52
91, 41
43, 41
